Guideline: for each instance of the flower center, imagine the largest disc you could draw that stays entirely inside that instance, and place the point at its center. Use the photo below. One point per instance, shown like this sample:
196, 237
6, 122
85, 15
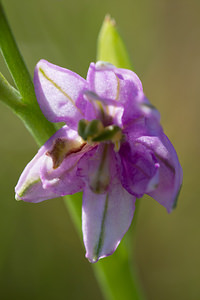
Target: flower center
94, 131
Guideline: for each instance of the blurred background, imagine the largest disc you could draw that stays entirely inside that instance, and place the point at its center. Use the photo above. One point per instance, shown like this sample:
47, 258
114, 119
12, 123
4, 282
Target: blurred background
41, 256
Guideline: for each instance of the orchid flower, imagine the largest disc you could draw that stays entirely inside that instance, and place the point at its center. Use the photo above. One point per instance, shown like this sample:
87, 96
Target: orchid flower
112, 148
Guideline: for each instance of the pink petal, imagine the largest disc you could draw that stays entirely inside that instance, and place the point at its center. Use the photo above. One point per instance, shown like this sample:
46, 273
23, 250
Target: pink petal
36, 185
57, 91
139, 115
110, 82
105, 219
64, 180
170, 171
29, 187
139, 169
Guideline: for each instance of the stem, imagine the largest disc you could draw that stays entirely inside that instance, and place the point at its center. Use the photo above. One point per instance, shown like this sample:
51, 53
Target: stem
14, 59
24, 102
117, 277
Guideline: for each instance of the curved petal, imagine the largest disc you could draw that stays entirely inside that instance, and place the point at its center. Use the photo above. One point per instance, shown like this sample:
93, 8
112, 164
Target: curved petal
103, 81
139, 169
105, 220
58, 90
112, 88
140, 111
170, 171
107, 81
31, 185
64, 180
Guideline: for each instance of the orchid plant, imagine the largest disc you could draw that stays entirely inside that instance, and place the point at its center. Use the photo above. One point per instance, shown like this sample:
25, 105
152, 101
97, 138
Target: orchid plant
112, 146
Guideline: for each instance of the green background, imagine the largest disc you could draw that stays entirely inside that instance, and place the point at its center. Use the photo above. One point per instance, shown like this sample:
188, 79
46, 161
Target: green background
41, 256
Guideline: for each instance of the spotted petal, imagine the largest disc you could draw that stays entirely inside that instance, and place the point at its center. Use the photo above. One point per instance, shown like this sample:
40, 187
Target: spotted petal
34, 186
105, 219
58, 91
64, 180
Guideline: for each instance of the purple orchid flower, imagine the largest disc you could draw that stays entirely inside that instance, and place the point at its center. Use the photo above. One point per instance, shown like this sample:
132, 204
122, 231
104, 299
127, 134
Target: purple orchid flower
113, 149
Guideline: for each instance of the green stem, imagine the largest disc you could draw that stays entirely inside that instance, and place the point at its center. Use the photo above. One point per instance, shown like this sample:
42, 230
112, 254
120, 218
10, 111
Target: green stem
117, 276
14, 59
23, 102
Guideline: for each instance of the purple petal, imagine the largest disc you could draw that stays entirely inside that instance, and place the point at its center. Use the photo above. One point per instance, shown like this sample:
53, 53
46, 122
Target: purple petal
113, 87
32, 185
170, 171
29, 187
64, 180
113, 83
93, 109
139, 169
105, 219
103, 82
58, 91
140, 111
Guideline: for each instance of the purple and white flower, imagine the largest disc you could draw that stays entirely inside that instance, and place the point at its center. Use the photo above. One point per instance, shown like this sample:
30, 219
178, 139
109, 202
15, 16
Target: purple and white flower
112, 148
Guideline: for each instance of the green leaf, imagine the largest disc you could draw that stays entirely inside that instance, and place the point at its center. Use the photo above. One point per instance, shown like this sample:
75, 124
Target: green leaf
110, 46
14, 60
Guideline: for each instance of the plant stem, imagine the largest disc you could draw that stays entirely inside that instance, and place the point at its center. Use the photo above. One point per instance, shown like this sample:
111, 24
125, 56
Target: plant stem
23, 102
14, 59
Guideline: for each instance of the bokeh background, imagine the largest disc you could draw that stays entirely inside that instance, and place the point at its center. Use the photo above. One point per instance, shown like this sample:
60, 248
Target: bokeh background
41, 256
